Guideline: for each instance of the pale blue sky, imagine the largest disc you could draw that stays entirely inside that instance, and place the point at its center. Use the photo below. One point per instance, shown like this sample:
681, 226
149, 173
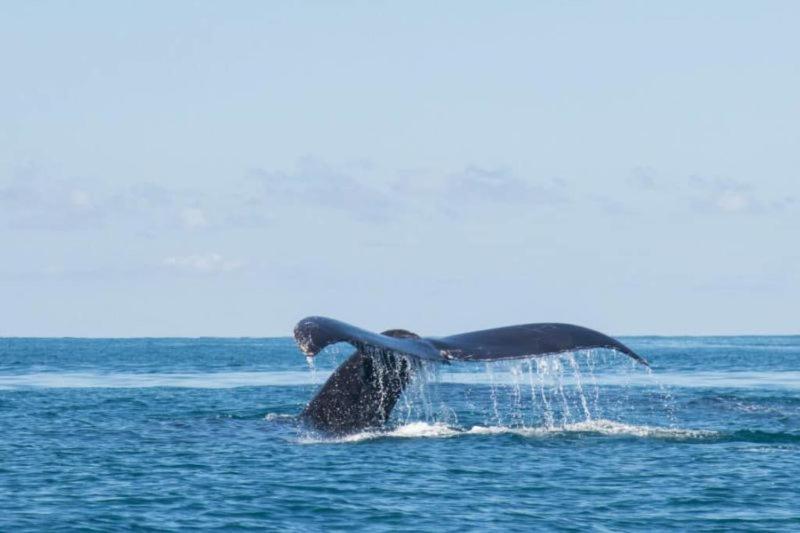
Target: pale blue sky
226, 168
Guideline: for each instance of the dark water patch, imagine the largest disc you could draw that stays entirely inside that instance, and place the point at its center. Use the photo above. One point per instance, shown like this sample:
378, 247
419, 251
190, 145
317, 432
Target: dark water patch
761, 437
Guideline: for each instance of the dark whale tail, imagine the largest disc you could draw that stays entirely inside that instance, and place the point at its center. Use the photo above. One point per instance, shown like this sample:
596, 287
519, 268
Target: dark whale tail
362, 392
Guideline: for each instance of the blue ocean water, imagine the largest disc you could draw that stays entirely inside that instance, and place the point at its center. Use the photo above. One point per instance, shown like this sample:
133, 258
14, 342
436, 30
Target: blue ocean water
176, 434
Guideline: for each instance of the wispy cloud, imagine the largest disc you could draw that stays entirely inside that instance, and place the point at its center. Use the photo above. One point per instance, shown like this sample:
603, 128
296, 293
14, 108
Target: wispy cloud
193, 218
38, 200
727, 196
611, 205
644, 177
478, 185
477, 189
315, 183
208, 263
33, 201
704, 195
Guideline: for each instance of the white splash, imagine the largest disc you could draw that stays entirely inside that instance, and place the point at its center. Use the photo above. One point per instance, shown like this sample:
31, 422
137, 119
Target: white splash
610, 427
439, 430
406, 431
598, 427
422, 430
272, 417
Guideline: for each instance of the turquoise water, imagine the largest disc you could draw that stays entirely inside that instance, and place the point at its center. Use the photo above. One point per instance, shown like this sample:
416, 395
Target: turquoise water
175, 434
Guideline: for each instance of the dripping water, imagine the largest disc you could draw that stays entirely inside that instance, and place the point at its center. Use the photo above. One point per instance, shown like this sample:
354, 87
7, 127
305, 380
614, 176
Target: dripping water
312, 368
547, 392
550, 391
493, 394
579, 385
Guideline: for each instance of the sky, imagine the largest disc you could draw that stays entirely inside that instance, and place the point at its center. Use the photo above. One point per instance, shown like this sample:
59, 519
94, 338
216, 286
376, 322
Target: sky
227, 168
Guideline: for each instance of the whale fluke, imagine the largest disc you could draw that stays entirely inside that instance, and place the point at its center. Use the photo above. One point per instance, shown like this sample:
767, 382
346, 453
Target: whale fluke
363, 390
527, 340
314, 333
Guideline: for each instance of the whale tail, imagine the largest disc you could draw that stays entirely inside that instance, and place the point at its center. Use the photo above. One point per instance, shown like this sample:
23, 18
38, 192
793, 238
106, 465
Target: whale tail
362, 392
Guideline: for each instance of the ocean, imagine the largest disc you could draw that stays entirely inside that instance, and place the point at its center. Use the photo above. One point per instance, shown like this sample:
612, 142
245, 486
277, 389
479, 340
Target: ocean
178, 434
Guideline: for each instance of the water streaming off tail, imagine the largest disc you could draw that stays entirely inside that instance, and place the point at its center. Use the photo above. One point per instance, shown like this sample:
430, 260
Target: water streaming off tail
312, 367
550, 392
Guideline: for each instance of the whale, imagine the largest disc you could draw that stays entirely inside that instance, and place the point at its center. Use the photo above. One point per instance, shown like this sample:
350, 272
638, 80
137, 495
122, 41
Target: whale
361, 393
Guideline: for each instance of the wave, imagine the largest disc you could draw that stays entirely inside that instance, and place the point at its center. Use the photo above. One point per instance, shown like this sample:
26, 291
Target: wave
589, 427
601, 427
130, 380
223, 380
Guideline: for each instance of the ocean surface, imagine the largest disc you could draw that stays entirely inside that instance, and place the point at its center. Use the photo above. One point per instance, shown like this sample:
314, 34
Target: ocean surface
178, 434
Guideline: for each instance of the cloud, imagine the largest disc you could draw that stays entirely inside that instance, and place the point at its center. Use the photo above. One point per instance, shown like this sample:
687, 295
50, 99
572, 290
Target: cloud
644, 177
611, 205
478, 187
210, 263
733, 202
38, 200
709, 195
80, 200
315, 183
146, 196
723, 196
363, 195
32, 200
193, 218
477, 184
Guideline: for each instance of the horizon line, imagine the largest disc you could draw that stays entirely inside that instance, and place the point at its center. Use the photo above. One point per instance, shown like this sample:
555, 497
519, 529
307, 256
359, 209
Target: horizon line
142, 337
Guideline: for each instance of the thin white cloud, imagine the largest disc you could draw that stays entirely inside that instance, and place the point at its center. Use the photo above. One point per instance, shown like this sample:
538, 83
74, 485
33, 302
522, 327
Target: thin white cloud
644, 177
210, 263
483, 188
32, 200
314, 182
478, 184
611, 205
723, 195
80, 200
37, 200
193, 218
733, 202
708, 195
